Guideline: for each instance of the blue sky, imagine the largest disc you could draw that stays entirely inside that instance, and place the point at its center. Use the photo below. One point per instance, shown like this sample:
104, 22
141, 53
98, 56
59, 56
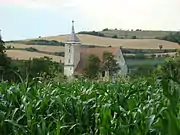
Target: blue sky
21, 19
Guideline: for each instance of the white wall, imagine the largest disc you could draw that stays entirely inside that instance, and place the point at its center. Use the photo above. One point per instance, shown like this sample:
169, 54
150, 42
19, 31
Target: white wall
71, 59
77, 48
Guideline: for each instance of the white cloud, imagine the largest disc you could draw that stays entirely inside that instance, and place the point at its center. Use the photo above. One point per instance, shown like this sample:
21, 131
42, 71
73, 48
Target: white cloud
155, 14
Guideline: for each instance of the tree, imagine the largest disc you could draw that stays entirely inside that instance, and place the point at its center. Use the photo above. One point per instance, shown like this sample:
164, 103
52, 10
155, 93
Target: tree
39, 67
2, 43
160, 47
4, 60
134, 37
106, 29
115, 36
92, 67
171, 69
173, 37
110, 64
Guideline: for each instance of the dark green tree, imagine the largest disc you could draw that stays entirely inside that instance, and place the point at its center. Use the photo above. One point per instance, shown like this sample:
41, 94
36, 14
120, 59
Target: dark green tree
115, 36
93, 67
2, 45
4, 60
110, 63
40, 67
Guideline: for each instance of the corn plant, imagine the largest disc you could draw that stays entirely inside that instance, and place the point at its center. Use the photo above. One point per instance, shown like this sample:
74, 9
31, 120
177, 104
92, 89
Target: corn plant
141, 107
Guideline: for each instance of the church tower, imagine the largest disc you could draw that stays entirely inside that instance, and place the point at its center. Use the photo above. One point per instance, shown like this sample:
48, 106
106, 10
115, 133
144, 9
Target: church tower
72, 53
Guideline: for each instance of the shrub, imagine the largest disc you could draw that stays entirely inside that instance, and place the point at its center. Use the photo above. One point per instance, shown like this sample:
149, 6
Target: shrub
115, 36
94, 33
134, 37
31, 49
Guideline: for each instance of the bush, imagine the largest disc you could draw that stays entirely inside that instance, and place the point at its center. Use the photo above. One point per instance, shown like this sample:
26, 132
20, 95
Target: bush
106, 29
94, 33
115, 36
31, 49
134, 37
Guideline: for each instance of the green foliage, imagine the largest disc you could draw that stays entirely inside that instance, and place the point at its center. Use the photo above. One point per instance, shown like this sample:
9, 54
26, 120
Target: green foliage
143, 71
2, 45
134, 37
94, 33
142, 107
147, 51
110, 64
40, 67
115, 36
173, 37
106, 29
171, 69
31, 49
140, 56
92, 67
40, 42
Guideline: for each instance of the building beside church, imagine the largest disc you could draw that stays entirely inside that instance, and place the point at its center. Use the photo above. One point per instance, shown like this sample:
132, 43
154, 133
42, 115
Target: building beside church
76, 56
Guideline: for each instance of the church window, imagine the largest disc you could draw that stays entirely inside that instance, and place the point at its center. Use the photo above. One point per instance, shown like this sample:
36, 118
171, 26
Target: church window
103, 74
69, 60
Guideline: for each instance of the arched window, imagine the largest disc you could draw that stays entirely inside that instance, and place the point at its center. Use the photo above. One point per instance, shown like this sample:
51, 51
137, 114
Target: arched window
103, 73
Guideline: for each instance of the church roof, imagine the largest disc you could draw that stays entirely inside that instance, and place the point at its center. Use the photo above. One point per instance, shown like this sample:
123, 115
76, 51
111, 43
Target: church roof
86, 52
73, 38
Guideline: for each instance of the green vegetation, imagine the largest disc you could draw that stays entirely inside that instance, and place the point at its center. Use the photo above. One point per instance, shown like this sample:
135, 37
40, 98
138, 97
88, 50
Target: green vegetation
43, 102
110, 64
129, 34
39, 42
143, 106
94, 33
35, 98
147, 51
92, 67
173, 37
95, 66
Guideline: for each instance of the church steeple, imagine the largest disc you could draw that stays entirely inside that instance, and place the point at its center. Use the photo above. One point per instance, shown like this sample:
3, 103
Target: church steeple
73, 38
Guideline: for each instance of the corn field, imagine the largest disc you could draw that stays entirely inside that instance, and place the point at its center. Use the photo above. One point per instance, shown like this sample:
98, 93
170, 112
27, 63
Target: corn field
142, 107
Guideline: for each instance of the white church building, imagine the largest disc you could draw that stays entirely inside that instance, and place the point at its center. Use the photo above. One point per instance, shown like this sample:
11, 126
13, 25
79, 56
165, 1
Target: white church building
76, 56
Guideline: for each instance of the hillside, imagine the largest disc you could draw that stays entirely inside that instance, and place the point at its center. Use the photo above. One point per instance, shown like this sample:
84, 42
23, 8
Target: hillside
125, 43
139, 34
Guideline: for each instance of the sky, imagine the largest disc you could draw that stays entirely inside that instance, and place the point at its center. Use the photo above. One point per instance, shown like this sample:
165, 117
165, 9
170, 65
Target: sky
21, 19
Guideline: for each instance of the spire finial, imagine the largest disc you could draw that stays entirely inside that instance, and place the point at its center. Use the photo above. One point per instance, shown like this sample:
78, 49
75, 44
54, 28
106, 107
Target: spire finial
73, 37
73, 31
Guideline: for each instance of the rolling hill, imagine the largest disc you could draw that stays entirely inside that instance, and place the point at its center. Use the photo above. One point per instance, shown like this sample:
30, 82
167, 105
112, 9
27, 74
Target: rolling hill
125, 43
139, 44
145, 34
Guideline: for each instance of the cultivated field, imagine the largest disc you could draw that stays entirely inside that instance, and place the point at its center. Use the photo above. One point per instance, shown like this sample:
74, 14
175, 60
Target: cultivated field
44, 48
139, 34
26, 55
125, 43
87, 40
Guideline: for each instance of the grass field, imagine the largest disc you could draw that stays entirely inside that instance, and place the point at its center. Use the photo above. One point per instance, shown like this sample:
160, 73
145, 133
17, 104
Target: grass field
138, 34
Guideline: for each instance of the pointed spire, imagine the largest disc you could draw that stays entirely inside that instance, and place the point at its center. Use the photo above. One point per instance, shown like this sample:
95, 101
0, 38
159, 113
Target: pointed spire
73, 37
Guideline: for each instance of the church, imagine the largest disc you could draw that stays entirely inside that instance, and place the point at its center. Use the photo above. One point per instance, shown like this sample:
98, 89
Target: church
76, 57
